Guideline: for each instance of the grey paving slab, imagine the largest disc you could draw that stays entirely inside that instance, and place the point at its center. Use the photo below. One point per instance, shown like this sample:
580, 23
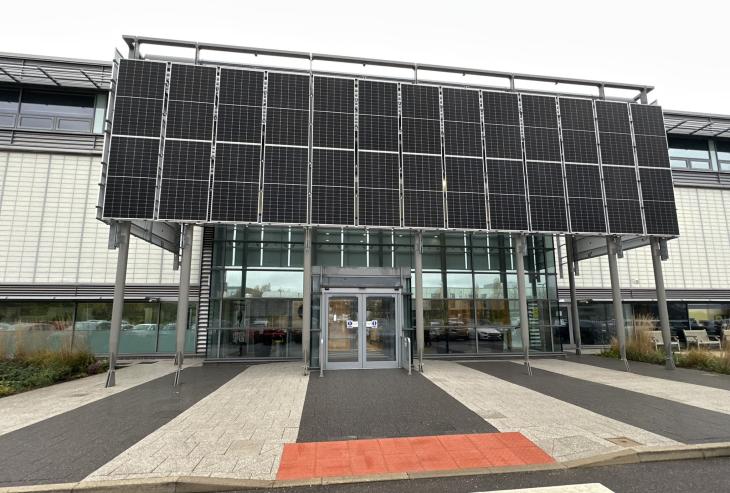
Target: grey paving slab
667, 418
354, 404
68, 446
686, 375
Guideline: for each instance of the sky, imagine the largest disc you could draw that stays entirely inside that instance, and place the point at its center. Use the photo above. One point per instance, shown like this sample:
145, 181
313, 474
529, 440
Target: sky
678, 47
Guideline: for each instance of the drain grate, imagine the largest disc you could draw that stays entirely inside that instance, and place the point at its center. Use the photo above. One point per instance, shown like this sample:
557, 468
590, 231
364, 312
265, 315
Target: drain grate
623, 441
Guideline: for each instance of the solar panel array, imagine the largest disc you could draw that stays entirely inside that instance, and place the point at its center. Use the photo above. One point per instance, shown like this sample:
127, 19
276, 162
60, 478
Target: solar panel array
217, 144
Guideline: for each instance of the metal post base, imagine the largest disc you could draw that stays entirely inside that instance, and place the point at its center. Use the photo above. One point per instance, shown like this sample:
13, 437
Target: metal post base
529, 368
626, 363
110, 379
179, 357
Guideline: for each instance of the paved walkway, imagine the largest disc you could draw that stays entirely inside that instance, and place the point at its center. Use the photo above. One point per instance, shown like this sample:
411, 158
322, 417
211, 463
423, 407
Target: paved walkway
238, 431
701, 396
563, 430
30, 407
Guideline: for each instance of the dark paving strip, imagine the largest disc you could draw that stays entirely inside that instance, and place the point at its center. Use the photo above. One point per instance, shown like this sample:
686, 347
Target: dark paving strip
70, 446
687, 424
686, 375
351, 404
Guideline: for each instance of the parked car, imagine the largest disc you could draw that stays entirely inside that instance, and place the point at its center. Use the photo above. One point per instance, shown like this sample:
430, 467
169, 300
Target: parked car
490, 333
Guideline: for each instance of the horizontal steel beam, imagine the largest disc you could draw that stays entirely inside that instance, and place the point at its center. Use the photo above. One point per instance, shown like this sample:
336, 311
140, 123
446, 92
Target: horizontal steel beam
136, 41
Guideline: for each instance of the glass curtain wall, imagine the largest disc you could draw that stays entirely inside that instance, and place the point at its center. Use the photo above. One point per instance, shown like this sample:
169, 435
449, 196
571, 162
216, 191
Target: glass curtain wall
147, 327
470, 289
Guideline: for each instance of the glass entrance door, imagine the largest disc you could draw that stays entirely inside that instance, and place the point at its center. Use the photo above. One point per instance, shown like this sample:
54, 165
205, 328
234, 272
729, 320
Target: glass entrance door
362, 330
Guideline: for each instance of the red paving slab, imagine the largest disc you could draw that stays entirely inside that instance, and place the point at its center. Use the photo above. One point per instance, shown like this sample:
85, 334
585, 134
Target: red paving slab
412, 454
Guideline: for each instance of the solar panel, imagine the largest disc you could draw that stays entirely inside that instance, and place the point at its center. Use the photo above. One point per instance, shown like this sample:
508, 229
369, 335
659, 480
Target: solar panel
239, 124
377, 98
586, 198
505, 177
613, 117
539, 111
587, 216
542, 144
334, 94
545, 178
128, 197
661, 217
508, 212
462, 139
141, 79
333, 205
652, 151
503, 141
287, 127
285, 203
576, 114
184, 200
379, 206
189, 120
286, 165
333, 168
420, 101
617, 149
378, 133
423, 136
624, 216
186, 160
464, 175
422, 172
333, 130
192, 83
547, 213
235, 201
423, 209
288, 91
620, 183
580, 146
583, 181
234, 162
501, 108
241, 88
378, 170
133, 157
648, 120
467, 210
137, 116
656, 184
461, 105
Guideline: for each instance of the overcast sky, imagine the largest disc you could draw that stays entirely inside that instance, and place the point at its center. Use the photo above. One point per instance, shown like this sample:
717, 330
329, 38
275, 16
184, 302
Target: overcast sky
678, 47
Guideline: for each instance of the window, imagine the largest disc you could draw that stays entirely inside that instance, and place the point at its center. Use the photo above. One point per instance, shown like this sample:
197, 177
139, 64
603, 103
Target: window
723, 154
9, 101
689, 154
54, 111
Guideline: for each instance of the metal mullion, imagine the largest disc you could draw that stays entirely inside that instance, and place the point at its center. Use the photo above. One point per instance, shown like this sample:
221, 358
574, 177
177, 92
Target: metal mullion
310, 143
524, 162
356, 141
262, 151
163, 131
401, 190
600, 167
636, 168
214, 138
108, 121
568, 227
444, 184
484, 161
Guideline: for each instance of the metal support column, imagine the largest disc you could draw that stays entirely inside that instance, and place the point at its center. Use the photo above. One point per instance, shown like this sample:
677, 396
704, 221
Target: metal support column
520, 246
574, 317
122, 242
418, 261
307, 301
181, 323
618, 309
657, 255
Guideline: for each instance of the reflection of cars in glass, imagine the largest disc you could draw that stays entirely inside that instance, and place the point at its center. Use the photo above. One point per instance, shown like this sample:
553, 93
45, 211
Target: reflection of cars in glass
4, 326
490, 333
145, 328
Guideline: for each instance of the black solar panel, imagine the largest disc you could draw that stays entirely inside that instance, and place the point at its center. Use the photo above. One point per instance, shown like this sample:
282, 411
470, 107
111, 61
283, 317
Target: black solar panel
464, 175
648, 120
461, 105
462, 139
185, 160
508, 212
505, 177
583, 180
547, 213
192, 83
422, 172
379, 207
617, 149
423, 209
141, 79
620, 183
542, 144
378, 170
288, 91
285, 203
613, 117
467, 210
133, 157
241, 87
652, 151
503, 141
235, 162
183, 200
501, 108
539, 111
580, 146
545, 179
624, 216
576, 114
137, 116
420, 101
378, 133
377, 98
587, 216
286, 165
129, 197
656, 184
333, 130
333, 205
334, 94
189, 120
234, 201
661, 217
287, 127
423, 136
239, 124
333, 168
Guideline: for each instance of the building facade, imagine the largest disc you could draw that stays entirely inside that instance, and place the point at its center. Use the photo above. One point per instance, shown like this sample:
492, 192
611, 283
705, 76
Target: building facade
57, 271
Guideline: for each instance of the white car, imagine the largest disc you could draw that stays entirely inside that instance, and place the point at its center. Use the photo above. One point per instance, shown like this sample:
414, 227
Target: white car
490, 333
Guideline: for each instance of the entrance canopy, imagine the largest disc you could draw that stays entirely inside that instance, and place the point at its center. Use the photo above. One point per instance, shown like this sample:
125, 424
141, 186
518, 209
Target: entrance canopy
210, 143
